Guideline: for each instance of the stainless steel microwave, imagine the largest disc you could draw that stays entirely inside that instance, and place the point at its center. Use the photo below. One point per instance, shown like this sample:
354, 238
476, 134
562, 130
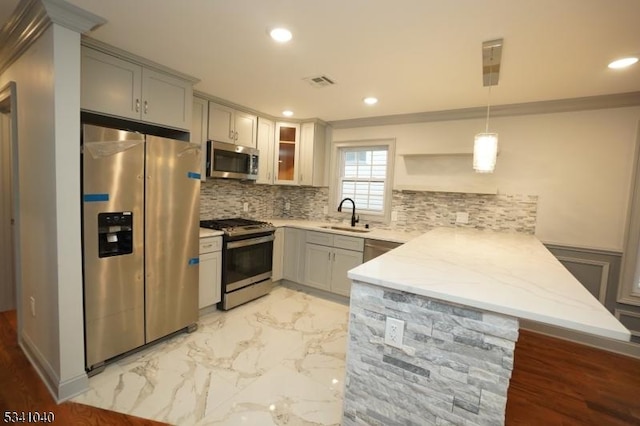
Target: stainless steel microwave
226, 160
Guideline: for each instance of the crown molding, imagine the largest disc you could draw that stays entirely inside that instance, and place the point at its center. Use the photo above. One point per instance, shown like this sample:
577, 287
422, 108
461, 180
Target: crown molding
123, 54
215, 99
31, 19
72, 17
618, 100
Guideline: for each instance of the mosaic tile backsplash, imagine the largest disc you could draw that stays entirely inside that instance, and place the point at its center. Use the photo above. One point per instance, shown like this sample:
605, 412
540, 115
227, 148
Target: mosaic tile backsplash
417, 211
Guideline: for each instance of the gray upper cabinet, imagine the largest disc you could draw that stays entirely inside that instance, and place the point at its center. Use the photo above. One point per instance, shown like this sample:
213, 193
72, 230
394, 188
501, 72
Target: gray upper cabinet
199, 130
312, 155
232, 126
266, 147
221, 125
114, 86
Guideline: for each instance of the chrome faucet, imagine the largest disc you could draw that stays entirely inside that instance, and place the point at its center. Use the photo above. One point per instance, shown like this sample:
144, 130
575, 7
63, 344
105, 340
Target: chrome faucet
354, 219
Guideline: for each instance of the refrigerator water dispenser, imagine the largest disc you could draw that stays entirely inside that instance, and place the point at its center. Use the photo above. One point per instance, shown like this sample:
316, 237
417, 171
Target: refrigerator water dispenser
115, 234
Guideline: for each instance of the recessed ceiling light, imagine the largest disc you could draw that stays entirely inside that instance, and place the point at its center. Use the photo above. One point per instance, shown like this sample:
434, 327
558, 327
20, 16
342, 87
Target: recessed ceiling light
287, 113
281, 35
370, 100
623, 63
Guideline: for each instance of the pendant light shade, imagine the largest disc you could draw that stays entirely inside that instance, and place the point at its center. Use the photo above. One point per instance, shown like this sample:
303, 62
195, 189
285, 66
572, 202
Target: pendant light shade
485, 151
485, 146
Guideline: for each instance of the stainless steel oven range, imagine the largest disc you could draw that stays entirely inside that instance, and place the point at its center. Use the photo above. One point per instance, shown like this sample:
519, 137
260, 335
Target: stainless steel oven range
247, 255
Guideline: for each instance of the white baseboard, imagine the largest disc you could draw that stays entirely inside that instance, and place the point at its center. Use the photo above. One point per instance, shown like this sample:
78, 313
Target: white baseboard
59, 390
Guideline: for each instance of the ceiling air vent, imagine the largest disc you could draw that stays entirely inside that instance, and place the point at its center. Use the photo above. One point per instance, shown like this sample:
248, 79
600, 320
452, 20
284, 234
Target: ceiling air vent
320, 81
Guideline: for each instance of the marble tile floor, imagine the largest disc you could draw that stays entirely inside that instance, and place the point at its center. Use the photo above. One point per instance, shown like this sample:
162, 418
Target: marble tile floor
278, 360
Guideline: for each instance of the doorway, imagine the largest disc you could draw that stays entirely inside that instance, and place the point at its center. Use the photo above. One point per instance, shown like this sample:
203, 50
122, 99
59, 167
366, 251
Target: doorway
8, 154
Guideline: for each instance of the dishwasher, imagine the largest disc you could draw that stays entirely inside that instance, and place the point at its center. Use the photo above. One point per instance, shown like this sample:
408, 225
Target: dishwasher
374, 248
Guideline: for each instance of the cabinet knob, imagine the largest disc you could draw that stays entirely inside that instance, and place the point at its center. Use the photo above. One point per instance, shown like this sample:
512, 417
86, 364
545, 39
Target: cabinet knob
137, 105
146, 107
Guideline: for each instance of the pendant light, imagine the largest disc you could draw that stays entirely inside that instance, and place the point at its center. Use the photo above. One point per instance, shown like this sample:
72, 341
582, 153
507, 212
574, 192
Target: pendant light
485, 145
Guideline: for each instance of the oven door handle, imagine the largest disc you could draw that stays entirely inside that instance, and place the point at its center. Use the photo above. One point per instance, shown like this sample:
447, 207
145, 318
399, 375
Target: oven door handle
250, 242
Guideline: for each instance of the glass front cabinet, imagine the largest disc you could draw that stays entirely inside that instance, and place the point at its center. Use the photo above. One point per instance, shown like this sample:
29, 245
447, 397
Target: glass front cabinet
287, 153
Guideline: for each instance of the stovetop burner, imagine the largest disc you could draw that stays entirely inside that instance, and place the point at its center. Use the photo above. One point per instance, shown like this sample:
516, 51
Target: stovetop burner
227, 223
237, 226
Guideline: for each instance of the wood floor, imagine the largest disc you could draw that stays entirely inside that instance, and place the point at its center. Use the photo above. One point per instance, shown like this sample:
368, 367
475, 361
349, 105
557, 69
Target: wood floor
554, 383
22, 390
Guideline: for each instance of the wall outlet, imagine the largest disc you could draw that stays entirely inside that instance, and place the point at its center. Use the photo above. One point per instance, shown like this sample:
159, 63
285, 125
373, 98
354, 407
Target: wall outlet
394, 216
394, 332
245, 207
462, 217
32, 301
287, 206
325, 210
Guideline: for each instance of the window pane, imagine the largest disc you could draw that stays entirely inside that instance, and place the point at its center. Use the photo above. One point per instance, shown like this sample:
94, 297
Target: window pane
364, 171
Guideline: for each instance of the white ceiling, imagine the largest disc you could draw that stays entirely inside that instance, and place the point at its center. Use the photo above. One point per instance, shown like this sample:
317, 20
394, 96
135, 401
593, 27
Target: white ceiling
414, 55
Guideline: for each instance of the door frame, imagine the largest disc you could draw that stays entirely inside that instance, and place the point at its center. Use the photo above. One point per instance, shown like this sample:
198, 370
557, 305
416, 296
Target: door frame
8, 97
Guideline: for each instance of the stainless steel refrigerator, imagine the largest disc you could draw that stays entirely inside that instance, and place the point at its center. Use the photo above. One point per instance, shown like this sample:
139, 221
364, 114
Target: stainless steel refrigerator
140, 239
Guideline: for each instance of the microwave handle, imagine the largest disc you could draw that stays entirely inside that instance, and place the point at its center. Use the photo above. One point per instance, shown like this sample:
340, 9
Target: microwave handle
208, 161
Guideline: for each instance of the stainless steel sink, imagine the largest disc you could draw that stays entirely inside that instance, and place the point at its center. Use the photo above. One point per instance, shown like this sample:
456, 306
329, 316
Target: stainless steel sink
345, 228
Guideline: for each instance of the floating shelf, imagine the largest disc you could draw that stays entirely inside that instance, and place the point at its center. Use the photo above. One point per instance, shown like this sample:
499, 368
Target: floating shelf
461, 189
434, 154
438, 154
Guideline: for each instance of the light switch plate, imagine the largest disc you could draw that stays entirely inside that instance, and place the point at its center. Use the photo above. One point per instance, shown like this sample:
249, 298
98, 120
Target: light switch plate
245, 207
394, 332
394, 216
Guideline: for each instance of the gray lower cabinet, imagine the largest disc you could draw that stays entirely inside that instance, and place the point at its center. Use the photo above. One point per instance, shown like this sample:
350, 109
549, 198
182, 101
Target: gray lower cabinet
210, 284
278, 255
317, 261
117, 87
293, 266
328, 258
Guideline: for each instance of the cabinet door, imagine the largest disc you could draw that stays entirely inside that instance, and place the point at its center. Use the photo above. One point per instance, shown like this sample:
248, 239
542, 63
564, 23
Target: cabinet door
266, 133
217, 278
343, 261
305, 176
200, 116
166, 99
246, 129
278, 255
286, 153
110, 85
209, 284
312, 154
292, 263
221, 123
318, 266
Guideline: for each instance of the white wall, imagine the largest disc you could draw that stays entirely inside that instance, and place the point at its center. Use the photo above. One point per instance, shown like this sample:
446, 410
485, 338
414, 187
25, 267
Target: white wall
48, 207
578, 163
67, 169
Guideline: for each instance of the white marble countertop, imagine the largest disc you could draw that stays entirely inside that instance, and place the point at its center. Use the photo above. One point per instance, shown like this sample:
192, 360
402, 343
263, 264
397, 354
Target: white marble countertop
374, 233
508, 273
206, 232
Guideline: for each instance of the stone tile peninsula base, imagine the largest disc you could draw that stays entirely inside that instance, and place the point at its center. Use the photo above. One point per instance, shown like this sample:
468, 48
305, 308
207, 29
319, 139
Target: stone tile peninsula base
454, 366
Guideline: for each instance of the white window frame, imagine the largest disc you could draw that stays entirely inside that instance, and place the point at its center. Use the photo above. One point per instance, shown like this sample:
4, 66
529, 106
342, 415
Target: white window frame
334, 184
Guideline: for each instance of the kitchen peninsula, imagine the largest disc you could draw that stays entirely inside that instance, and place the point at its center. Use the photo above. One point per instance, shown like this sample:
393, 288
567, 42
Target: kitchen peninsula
459, 294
